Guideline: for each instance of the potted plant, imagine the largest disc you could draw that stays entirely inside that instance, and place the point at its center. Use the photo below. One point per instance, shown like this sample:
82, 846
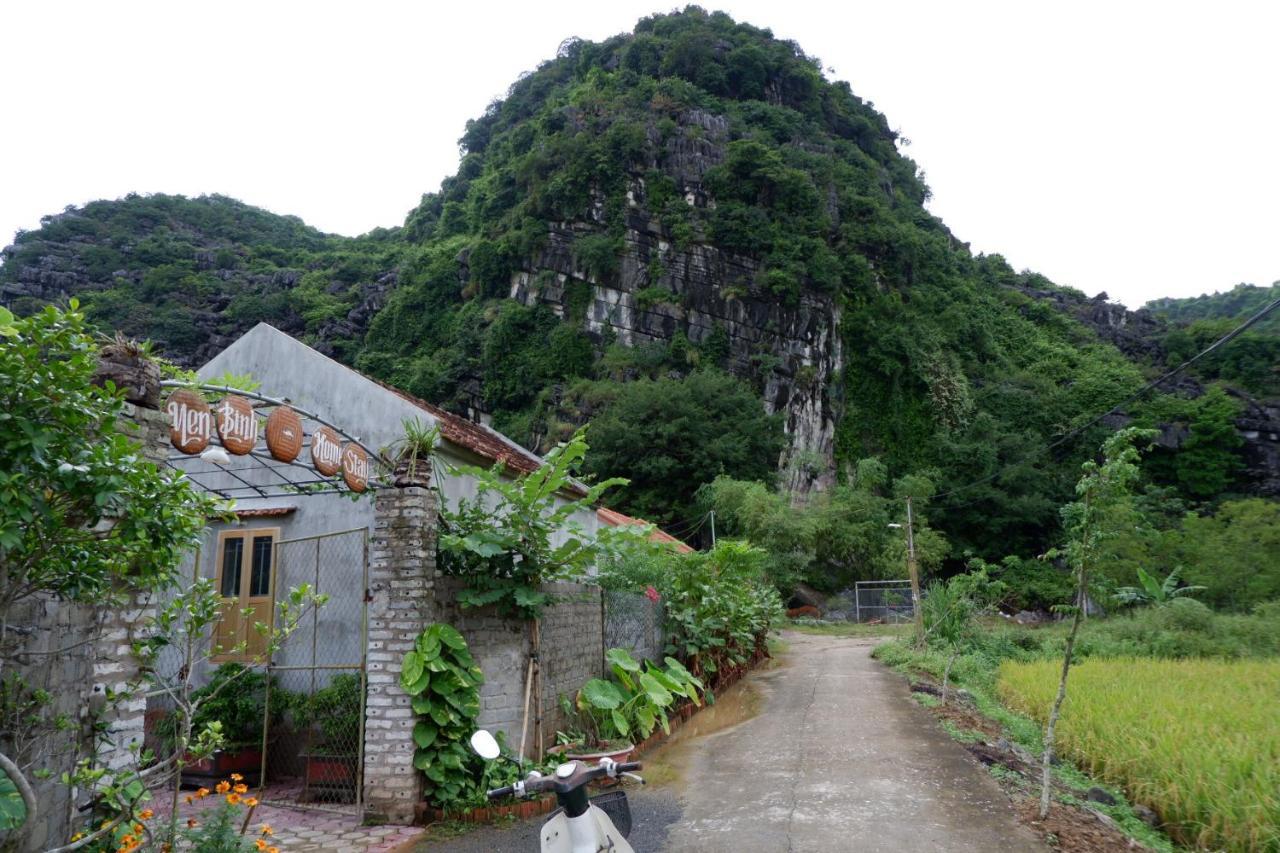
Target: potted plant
235, 697
632, 704
331, 717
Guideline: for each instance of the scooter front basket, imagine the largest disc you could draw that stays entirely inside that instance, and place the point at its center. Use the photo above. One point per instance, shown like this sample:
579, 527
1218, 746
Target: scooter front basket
614, 804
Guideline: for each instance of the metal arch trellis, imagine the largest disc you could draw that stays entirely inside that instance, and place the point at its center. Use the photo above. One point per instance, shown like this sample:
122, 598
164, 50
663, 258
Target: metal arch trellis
262, 475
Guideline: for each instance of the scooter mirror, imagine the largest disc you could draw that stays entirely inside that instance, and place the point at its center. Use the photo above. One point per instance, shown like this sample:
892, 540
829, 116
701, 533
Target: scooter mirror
485, 745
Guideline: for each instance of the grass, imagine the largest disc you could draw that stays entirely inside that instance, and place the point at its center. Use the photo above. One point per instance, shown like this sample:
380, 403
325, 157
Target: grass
845, 629
977, 672
1197, 740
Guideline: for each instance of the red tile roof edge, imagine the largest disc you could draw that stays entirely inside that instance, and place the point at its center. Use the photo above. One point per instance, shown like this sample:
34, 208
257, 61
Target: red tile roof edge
266, 512
613, 518
478, 438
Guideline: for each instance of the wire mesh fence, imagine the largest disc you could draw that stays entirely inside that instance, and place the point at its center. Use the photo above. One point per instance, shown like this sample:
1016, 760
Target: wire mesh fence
883, 601
314, 716
633, 621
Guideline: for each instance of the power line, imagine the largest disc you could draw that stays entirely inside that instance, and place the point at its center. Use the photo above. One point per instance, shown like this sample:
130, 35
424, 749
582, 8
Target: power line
1127, 400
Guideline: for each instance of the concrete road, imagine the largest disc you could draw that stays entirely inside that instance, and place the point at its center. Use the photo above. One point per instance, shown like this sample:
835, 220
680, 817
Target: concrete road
838, 757
823, 751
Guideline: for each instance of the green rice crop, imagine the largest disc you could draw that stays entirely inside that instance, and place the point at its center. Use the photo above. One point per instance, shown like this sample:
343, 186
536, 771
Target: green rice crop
1196, 740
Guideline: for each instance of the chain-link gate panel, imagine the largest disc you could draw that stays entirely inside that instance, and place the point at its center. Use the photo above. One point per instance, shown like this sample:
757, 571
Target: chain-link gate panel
883, 601
314, 721
633, 621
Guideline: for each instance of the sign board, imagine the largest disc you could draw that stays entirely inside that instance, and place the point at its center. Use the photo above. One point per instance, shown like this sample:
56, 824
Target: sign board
237, 425
284, 434
190, 421
355, 467
192, 425
326, 451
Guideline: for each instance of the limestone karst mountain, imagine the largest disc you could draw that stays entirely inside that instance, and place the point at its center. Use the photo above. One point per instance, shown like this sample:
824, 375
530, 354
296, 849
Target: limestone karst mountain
692, 196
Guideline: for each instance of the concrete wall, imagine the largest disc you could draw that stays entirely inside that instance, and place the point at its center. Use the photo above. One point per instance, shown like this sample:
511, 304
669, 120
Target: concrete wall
78, 654
571, 653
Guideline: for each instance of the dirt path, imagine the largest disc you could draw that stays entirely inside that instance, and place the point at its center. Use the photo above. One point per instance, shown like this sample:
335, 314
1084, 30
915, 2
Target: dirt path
838, 757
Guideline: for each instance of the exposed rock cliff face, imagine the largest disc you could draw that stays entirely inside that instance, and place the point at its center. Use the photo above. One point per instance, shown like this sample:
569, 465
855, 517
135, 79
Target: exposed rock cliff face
790, 349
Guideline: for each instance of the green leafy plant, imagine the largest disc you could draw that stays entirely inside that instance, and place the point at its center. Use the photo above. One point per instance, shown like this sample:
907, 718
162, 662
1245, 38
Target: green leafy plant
949, 611
502, 541
1153, 591
719, 606
636, 701
444, 682
335, 709
235, 697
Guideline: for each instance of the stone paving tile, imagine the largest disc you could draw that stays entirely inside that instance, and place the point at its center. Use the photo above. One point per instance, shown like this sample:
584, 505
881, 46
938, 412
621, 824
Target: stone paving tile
301, 830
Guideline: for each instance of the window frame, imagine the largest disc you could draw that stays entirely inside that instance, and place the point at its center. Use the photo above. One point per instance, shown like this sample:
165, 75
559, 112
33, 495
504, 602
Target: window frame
243, 599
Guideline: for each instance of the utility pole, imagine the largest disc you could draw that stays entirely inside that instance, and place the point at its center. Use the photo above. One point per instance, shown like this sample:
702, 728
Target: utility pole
713, 528
915, 576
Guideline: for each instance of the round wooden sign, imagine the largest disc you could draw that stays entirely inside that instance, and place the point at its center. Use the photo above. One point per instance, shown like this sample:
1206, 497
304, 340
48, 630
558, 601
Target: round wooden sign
355, 467
190, 421
284, 434
326, 451
237, 425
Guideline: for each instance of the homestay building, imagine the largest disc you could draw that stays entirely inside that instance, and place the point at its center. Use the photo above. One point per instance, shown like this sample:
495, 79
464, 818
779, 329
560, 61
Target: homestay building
301, 455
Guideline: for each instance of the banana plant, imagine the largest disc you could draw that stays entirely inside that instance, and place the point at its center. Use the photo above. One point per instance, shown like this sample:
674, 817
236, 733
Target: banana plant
1154, 591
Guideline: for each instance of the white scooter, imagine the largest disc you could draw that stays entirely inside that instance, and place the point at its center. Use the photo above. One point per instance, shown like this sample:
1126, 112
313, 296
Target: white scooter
581, 824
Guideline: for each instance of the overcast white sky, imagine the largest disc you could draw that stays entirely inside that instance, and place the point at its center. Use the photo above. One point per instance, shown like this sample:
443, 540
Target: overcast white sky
1128, 147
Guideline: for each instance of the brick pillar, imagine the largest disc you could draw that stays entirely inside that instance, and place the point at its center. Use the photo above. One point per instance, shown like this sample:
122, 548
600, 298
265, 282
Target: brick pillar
401, 582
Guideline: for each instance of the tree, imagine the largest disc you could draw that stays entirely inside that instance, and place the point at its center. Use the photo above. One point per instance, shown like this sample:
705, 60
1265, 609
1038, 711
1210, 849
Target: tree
80, 508
670, 436
1089, 522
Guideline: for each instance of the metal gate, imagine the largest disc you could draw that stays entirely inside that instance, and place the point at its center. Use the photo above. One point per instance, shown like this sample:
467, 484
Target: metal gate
313, 726
883, 601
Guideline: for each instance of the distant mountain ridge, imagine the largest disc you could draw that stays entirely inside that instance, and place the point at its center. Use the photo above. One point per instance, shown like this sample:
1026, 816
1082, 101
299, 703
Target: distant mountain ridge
690, 197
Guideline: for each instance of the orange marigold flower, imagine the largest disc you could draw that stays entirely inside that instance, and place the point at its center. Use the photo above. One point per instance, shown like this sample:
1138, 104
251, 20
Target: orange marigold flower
273, 849
126, 840
201, 793
260, 844
192, 823
222, 787
251, 801
233, 798
137, 829
266, 829
236, 777
241, 788
190, 799
146, 814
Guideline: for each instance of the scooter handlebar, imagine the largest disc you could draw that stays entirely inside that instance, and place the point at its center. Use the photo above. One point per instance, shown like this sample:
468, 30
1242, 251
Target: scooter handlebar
629, 767
504, 791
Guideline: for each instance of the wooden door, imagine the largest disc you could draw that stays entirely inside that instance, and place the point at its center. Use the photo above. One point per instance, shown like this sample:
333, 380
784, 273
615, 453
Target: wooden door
246, 583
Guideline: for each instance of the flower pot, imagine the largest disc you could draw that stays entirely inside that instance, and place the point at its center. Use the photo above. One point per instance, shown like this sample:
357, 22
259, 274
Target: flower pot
329, 776
247, 761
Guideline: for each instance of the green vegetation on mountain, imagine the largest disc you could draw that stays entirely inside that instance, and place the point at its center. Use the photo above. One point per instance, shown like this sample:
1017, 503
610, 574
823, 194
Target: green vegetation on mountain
789, 189
1253, 359
192, 274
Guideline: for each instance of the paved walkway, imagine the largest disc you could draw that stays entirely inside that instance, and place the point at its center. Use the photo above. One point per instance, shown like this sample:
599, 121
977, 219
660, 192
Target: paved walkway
839, 758
302, 830
823, 751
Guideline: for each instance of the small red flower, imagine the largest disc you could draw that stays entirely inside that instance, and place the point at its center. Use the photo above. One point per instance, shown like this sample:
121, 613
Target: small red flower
651, 594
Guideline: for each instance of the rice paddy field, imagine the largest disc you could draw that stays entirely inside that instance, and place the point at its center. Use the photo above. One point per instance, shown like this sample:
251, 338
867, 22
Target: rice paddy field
1196, 740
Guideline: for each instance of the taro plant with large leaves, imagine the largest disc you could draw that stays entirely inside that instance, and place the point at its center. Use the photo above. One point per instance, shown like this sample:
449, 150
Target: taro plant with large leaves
637, 700
444, 682
517, 534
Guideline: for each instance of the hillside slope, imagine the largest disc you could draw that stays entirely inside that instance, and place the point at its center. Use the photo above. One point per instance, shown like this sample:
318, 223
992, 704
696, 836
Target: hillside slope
687, 199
